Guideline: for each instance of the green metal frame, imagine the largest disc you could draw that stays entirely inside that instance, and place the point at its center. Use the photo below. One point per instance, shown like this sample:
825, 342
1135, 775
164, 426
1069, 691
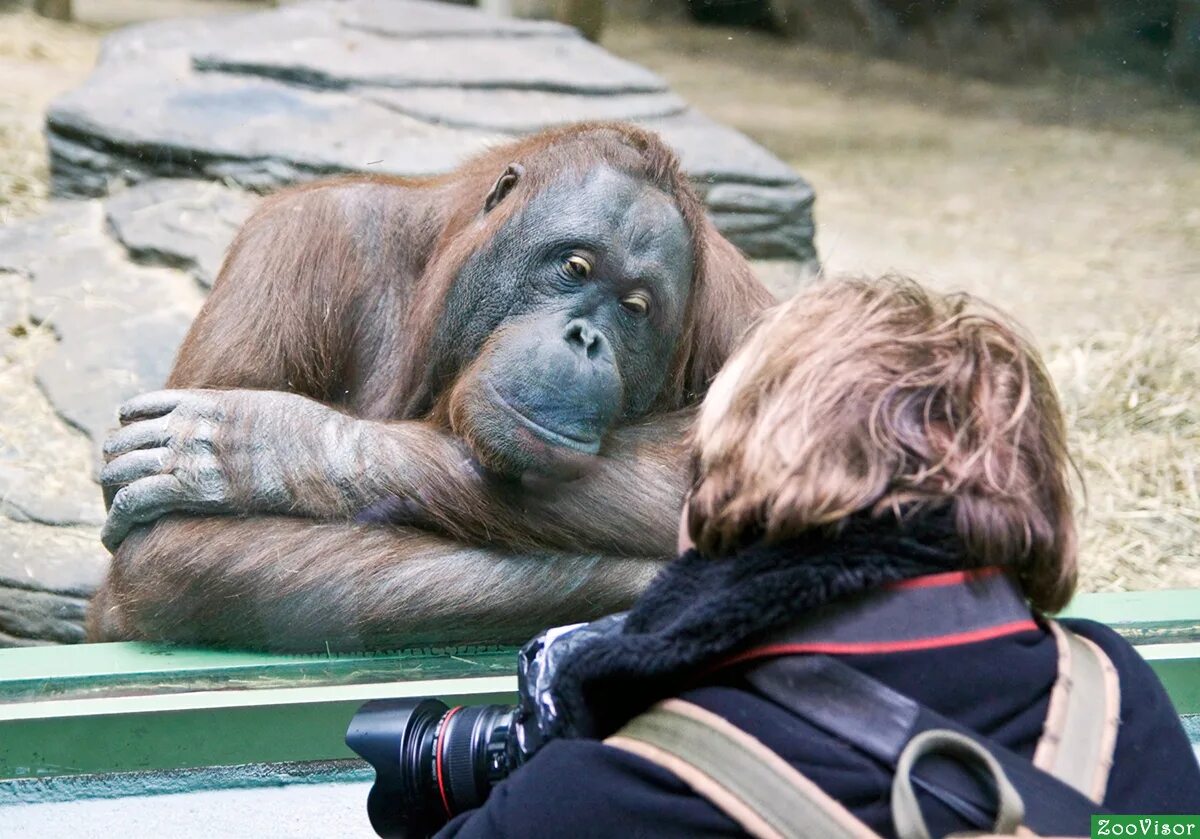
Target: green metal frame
1143, 617
119, 708
88, 671
101, 708
1164, 626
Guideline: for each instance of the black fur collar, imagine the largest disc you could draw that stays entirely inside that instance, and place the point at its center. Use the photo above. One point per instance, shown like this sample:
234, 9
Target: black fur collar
700, 610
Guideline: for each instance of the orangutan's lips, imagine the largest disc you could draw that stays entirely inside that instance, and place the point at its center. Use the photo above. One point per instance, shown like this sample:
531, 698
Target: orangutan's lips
586, 446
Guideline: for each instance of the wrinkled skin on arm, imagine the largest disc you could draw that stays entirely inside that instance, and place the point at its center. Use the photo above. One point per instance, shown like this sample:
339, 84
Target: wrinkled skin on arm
266, 452
245, 451
499, 388
342, 586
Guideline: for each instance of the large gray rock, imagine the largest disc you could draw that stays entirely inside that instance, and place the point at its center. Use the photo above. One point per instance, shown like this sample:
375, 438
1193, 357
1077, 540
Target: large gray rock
404, 87
521, 111
257, 132
406, 19
347, 59
84, 328
47, 497
118, 324
181, 223
60, 561
45, 467
31, 617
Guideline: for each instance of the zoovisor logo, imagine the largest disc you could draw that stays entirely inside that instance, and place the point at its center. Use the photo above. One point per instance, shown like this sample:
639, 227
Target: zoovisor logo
1146, 826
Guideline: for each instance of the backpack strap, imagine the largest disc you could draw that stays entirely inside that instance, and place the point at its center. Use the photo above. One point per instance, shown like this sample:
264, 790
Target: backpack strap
906, 810
1080, 732
880, 722
769, 799
739, 775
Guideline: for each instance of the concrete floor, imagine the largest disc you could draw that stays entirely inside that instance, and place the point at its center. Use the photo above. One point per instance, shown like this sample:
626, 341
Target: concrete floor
329, 810
332, 810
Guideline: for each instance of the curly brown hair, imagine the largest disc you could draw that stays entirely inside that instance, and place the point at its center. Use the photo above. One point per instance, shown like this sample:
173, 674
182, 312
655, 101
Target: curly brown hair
880, 396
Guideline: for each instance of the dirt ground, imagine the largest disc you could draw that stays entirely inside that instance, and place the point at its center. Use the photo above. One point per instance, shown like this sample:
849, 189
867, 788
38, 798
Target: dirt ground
1072, 200
39, 59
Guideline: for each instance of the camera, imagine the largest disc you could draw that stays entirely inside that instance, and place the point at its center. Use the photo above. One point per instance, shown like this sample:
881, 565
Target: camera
433, 762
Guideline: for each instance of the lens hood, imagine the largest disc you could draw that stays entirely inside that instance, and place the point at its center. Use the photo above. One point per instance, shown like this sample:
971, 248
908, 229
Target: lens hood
396, 736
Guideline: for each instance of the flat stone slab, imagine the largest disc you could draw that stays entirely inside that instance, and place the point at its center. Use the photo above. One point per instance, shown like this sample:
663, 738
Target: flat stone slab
355, 58
85, 328
184, 224
416, 19
32, 617
521, 111
45, 466
256, 132
51, 497
118, 324
60, 561
403, 87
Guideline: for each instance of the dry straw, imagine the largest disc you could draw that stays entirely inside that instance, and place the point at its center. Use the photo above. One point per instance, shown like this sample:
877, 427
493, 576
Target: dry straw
1132, 401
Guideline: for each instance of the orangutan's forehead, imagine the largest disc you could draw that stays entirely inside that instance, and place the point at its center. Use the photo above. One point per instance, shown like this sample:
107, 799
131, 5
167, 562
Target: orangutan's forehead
610, 208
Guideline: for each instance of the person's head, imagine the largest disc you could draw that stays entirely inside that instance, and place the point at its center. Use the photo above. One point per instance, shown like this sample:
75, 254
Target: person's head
882, 398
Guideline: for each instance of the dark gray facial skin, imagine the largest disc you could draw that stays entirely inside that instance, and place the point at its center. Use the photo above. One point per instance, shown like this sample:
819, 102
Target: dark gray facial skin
567, 322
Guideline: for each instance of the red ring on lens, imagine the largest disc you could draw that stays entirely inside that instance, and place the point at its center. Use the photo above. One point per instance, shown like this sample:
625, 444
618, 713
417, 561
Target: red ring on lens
437, 763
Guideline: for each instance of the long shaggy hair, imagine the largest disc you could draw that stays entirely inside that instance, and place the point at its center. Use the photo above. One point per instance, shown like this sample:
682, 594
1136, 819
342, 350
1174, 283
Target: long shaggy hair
869, 397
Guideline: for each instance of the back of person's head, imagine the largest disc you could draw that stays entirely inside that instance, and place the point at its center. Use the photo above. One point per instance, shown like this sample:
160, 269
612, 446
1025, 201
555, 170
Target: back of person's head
882, 398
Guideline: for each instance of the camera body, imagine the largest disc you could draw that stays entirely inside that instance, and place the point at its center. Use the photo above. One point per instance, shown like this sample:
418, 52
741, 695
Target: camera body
433, 762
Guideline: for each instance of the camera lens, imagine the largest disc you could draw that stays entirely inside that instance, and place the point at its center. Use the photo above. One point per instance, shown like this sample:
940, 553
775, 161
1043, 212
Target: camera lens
431, 762
472, 755
397, 736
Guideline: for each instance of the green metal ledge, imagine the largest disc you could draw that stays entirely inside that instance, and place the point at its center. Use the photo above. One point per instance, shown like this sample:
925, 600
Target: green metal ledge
102, 708
1144, 617
117, 708
90, 671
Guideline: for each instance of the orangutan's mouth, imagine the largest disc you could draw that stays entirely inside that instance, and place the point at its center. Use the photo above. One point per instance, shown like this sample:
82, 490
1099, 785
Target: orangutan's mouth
589, 446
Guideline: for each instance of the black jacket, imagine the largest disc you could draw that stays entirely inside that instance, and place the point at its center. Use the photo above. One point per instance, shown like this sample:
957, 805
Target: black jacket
1000, 688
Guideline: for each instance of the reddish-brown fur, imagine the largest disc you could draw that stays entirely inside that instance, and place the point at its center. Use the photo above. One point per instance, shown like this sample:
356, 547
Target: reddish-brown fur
333, 290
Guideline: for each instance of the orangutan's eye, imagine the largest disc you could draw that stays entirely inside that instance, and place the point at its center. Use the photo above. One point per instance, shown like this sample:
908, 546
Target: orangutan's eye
578, 266
637, 303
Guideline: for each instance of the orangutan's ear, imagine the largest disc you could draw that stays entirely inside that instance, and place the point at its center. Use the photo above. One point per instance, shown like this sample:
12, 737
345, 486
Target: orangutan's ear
503, 186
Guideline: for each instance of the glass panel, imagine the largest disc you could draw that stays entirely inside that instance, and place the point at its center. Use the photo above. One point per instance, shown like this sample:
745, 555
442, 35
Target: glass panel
1041, 155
